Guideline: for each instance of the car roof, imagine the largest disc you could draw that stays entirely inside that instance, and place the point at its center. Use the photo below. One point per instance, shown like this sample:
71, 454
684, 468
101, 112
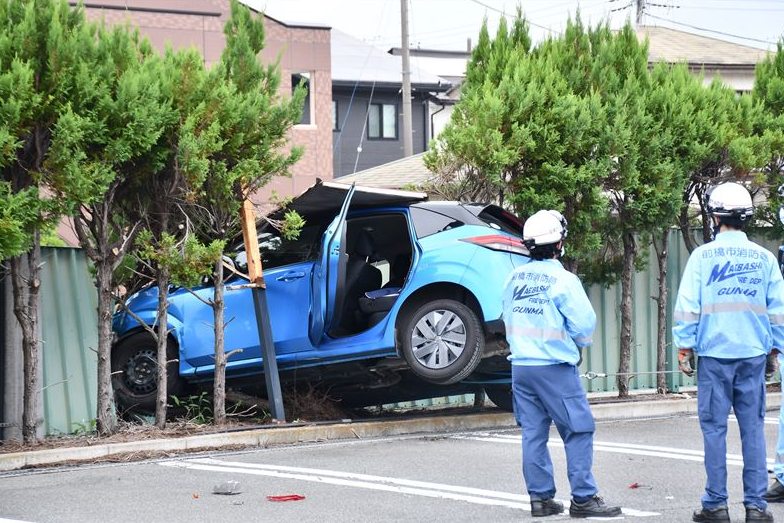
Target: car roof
328, 197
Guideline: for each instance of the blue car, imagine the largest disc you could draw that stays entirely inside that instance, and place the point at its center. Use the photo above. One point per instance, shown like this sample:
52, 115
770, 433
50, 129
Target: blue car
383, 297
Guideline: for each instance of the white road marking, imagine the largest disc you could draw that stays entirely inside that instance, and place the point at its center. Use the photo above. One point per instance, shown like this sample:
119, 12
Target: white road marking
388, 484
768, 420
3, 520
619, 448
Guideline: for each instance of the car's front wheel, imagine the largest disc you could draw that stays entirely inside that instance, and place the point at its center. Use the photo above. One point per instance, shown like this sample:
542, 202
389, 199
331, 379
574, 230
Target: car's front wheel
442, 341
135, 376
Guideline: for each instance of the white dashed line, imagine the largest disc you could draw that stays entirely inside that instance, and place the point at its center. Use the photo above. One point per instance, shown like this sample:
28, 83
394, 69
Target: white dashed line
619, 448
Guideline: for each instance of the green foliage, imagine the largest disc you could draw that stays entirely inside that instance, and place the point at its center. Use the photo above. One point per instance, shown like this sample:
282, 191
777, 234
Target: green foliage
84, 427
292, 225
187, 261
198, 408
50, 238
768, 95
19, 214
528, 125
233, 130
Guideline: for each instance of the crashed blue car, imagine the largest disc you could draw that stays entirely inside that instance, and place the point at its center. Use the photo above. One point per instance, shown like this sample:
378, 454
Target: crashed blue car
383, 297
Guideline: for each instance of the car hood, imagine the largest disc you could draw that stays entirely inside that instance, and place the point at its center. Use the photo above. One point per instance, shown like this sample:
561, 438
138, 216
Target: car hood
328, 197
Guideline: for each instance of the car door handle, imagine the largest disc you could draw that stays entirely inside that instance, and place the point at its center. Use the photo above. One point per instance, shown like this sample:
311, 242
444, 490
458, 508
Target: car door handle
291, 276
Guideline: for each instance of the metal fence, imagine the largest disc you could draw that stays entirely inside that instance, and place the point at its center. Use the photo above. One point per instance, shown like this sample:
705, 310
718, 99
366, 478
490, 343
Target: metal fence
69, 333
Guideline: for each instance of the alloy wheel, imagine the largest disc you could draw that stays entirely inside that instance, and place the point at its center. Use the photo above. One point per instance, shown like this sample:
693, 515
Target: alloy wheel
438, 339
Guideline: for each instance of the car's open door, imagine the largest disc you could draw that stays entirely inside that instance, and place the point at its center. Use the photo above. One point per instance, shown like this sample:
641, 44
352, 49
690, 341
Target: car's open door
329, 273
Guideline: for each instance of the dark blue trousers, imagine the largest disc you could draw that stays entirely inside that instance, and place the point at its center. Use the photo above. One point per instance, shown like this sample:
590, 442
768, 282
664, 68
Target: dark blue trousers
553, 393
740, 384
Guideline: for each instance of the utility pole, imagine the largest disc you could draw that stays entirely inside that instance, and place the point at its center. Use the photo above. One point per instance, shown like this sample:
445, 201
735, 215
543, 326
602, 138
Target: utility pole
640, 9
408, 142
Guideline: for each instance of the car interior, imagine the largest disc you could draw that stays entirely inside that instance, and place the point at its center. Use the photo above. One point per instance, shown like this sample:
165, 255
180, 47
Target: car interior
379, 254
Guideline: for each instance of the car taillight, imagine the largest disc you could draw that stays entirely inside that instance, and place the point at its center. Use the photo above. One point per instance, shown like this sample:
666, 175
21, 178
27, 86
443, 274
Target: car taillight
498, 242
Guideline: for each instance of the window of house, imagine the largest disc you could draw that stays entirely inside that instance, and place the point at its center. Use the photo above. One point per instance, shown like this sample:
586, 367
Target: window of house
305, 79
335, 115
382, 121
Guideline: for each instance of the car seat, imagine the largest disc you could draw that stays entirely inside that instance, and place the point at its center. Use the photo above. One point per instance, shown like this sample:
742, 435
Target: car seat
361, 277
375, 304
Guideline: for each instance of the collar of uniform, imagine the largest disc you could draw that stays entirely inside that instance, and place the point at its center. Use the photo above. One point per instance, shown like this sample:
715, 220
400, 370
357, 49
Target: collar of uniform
731, 236
555, 261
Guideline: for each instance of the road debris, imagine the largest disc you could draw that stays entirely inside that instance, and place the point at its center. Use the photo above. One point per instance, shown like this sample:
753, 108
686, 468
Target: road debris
288, 497
640, 486
227, 488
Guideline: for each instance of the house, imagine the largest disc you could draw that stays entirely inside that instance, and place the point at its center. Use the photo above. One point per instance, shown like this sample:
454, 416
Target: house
733, 63
408, 172
304, 52
449, 65
367, 108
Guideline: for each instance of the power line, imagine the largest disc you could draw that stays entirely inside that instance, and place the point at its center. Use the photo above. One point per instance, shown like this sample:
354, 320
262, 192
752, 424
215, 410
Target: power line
714, 8
505, 13
709, 30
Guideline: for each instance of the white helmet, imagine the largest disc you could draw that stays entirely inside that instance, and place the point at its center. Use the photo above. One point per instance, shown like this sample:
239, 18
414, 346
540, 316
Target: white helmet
729, 200
563, 221
544, 228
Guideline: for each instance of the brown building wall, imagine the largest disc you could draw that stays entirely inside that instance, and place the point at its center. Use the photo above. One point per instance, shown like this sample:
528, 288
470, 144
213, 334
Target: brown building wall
185, 23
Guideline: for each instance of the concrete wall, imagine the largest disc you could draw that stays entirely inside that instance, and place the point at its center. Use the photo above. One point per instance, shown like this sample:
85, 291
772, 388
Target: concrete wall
351, 120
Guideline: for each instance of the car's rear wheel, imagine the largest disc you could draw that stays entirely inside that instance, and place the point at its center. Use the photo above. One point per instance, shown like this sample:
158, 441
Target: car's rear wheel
135, 376
501, 395
442, 341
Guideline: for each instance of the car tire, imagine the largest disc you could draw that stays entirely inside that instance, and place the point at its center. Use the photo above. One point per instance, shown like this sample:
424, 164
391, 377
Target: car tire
434, 358
134, 376
501, 396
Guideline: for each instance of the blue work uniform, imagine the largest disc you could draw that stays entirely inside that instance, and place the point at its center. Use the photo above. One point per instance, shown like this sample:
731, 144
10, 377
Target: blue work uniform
778, 465
548, 318
730, 311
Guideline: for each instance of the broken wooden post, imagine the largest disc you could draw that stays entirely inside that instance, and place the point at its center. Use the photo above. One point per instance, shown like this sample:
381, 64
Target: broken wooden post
271, 376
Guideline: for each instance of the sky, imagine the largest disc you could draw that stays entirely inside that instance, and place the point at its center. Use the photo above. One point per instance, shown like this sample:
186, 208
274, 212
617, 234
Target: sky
448, 24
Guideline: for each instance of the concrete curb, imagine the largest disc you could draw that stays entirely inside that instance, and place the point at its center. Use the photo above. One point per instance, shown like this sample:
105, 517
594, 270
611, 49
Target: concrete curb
361, 430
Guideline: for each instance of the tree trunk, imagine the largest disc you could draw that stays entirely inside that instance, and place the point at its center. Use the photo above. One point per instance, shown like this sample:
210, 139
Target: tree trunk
163, 341
629, 251
219, 392
26, 291
106, 420
683, 223
707, 226
662, 254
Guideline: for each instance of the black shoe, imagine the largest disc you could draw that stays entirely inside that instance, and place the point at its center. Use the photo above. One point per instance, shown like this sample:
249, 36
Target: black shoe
545, 507
593, 508
718, 514
775, 493
758, 515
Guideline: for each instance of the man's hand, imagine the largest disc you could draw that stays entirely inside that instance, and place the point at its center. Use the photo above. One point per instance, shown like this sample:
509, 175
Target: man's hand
771, 364
686, 361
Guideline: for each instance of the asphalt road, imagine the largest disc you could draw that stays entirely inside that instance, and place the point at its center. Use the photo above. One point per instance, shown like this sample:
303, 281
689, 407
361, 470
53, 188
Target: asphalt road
460, 477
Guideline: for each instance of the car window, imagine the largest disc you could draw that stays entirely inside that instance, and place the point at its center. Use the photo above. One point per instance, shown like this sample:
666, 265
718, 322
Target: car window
277, 251
429, 222
502, 220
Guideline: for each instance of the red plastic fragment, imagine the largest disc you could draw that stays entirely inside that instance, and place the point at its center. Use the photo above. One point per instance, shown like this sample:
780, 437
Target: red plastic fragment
288, 497
634, 485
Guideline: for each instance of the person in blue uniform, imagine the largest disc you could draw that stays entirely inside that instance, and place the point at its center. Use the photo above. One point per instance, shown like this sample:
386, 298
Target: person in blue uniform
548, 321
775, 493
730, 311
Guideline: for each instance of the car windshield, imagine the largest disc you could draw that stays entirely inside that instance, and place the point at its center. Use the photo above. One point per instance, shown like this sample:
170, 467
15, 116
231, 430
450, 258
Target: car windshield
277, 251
